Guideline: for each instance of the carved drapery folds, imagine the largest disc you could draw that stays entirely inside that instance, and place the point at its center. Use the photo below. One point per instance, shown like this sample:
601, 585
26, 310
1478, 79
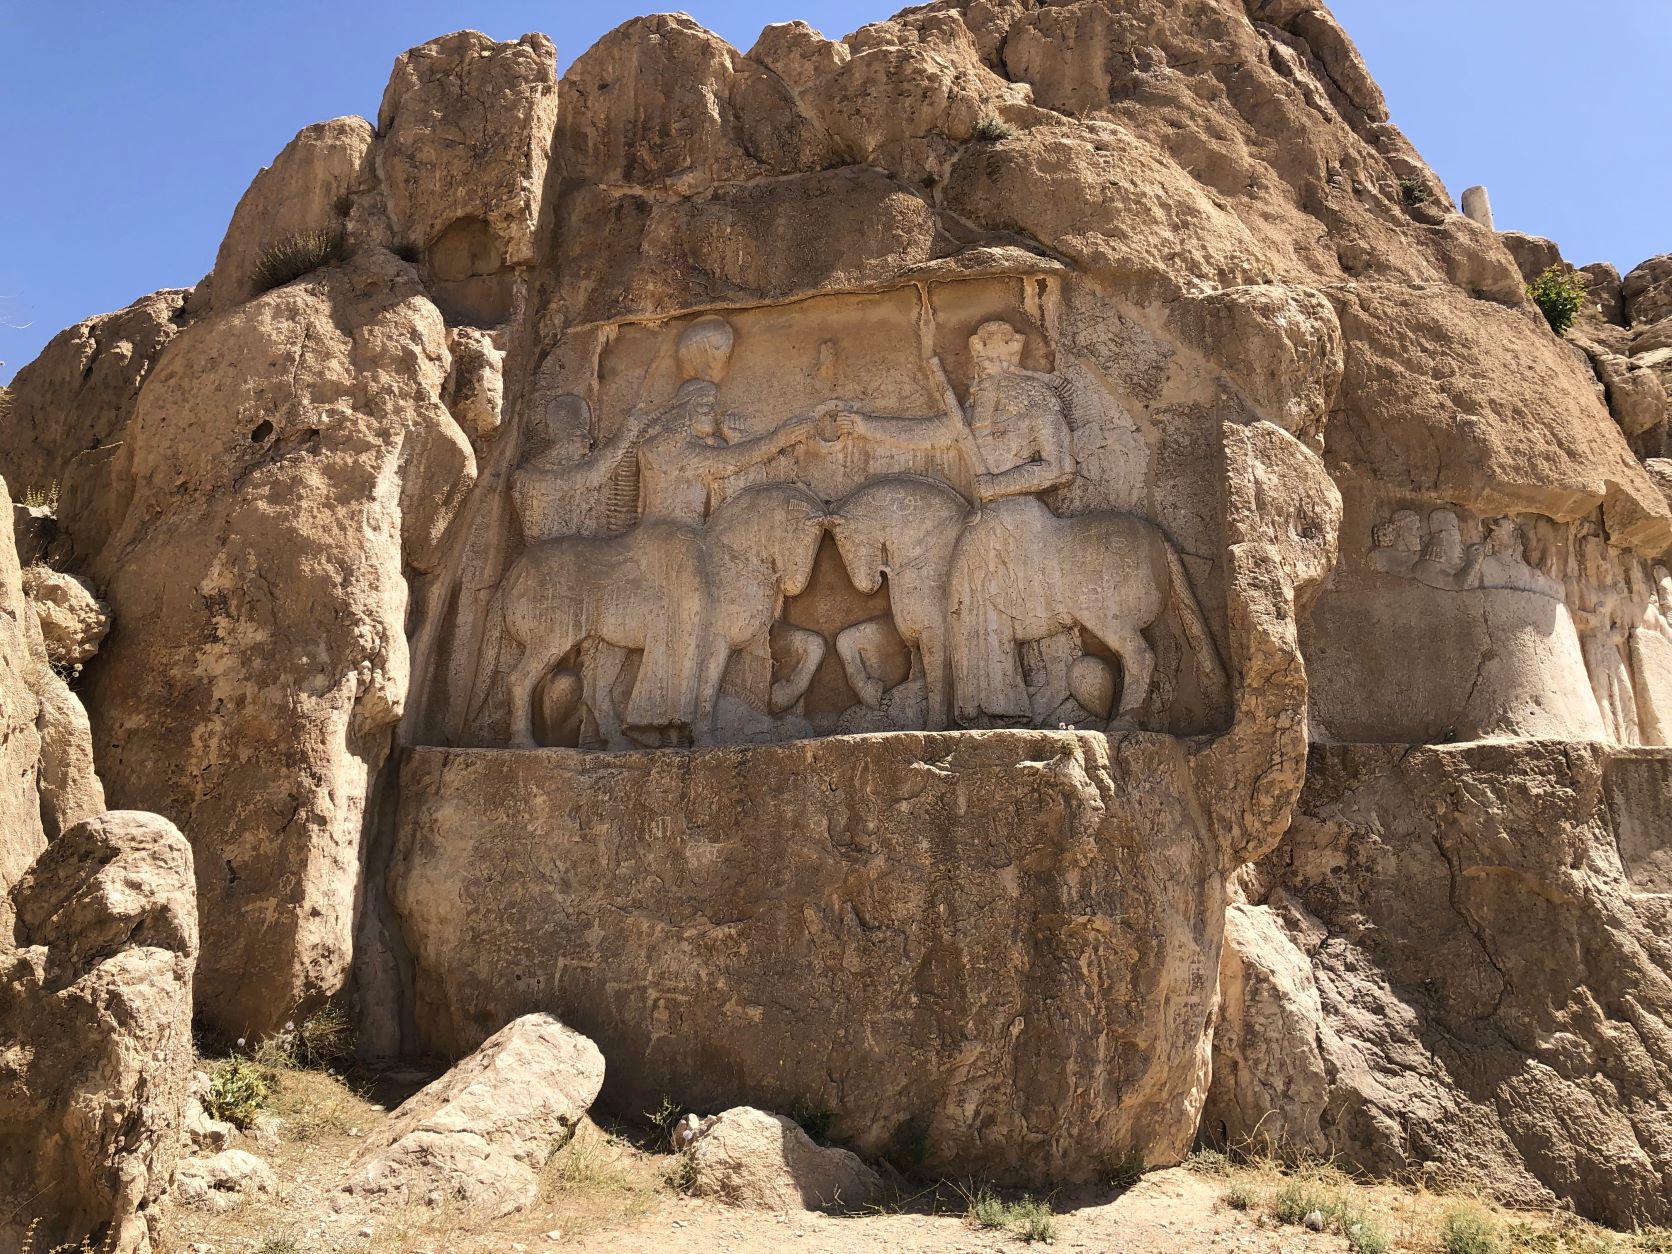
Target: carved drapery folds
853, 562
1605, 613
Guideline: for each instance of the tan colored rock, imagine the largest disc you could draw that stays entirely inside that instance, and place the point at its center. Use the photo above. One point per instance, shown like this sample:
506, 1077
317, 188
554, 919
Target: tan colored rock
1636, 397
223, 1182
73, 620
1279, 347
475, 391
481, 1132
465, 127
1475, 423
1647, 292
1484, 925
1604, 284
309, 188
322, 465
1270, 1083
24, 675
71, 406
1533, 253
203, 1131
749, 1158
1083, 921
660, 101
95, 1014
70, 791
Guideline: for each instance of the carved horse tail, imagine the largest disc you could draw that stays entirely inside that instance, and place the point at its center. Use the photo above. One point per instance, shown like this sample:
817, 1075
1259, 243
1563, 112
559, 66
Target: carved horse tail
1209, 669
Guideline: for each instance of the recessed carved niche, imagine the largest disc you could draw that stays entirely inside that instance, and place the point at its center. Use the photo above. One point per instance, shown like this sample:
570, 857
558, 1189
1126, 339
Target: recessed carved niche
850, 514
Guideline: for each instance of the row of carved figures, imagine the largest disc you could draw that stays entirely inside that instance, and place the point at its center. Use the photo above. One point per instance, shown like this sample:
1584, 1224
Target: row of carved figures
1621, 605
700, 577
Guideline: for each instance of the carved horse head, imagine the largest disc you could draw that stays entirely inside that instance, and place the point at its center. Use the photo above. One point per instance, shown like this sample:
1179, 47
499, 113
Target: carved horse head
776, 525
889, 522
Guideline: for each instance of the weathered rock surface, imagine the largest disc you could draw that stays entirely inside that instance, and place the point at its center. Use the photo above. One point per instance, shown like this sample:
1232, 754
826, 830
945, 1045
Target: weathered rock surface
1459, 957
71, 406
203, 1130
1253, 319
825, 912
95, 1016
747, 1157
481, 1132
72, 620
284, 474
223, 1182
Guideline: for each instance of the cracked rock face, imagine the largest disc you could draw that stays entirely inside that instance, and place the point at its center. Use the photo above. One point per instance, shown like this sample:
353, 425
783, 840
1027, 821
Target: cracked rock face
1458, 963
95, 1010
1230, 301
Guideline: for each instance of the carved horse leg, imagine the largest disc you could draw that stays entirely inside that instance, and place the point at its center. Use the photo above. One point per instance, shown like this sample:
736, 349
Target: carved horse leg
717, 652
603, 669
1137, 666
932, 650
539, 656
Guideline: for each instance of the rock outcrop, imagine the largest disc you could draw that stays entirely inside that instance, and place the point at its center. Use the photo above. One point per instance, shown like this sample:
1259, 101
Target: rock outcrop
1458, 964
1102, 397
480, 1133
747, 1157
223, 1182
95, 1014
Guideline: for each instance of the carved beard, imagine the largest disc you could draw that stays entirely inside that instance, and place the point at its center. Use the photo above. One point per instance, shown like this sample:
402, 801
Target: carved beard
998, 398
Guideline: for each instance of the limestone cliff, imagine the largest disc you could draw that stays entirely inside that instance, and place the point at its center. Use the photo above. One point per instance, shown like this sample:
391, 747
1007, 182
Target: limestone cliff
1101, 396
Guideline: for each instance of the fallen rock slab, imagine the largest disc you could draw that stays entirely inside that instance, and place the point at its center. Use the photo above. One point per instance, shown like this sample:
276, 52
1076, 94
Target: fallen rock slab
750, 1158
223, 1182
479, 1133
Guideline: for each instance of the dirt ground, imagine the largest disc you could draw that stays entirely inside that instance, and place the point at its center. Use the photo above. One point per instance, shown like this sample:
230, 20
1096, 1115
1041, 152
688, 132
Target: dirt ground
606, 1191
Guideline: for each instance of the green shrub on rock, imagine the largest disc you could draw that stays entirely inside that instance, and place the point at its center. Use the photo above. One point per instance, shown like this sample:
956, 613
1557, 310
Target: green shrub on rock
1560, 295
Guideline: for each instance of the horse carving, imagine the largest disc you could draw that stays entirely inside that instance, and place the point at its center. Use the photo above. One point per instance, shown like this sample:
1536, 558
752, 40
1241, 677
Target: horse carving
684, 596
1020, 573
903, 527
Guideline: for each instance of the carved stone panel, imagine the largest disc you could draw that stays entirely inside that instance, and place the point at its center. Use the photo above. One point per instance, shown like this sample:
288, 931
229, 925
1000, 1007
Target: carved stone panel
868, 516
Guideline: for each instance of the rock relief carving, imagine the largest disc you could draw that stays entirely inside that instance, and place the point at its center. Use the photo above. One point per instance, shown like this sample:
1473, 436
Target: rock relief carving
1620, 605
669, 626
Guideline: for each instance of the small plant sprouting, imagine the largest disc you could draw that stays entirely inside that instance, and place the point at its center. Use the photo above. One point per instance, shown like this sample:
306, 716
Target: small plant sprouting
991, 129
987, 1210
665, 1118
42, 498
296, 255
1241, 1197
1414, 190
1030, 1218
1560, 295
239, 1089
814, 1120
1470, 1231
1365, 1236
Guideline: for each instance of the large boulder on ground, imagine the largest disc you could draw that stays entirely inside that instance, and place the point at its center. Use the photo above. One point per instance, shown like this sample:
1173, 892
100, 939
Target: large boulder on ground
95, 1031
747, 1157
480, 1133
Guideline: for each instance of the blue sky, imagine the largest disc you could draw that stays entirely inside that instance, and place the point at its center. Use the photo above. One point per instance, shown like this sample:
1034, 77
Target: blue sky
130, 131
